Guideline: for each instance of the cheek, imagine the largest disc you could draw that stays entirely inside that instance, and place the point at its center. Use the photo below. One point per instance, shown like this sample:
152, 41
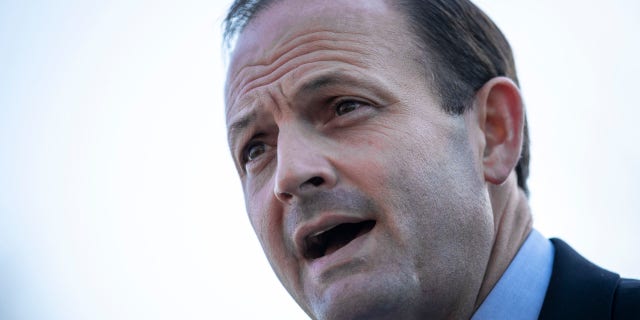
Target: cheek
266, 217
366, 170
442, 221
433, 189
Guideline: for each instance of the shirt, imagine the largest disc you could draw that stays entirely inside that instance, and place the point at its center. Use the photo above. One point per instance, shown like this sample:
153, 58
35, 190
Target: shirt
520, 292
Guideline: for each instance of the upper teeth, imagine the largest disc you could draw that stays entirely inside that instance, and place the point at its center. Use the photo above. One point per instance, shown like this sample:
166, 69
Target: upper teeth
321, 231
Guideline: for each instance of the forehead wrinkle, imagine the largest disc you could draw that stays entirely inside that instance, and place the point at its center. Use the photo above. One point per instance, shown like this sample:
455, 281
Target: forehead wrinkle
276, 72
277, 76
308, 43
270, 98
249, 92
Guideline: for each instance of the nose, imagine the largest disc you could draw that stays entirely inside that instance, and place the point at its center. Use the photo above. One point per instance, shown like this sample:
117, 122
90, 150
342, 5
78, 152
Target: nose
303, 168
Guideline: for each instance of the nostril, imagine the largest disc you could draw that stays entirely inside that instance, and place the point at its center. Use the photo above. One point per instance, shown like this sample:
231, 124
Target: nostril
285, 196
315, 181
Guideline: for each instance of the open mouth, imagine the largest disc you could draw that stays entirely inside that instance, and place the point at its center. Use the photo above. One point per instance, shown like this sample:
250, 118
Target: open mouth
329, 241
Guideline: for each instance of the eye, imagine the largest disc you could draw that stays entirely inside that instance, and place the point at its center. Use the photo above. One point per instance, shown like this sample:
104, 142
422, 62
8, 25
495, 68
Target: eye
344, 107
252, 151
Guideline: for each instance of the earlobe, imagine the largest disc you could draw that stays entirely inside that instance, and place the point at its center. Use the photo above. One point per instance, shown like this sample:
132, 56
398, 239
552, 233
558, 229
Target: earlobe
502, 124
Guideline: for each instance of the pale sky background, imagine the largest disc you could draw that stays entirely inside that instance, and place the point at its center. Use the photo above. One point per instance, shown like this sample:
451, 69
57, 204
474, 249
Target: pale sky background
118, 197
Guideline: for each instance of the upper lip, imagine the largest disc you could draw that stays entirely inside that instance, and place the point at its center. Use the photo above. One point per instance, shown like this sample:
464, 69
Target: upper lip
319, 225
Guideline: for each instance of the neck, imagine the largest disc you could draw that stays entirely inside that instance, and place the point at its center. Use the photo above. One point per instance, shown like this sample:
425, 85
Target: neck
513, 223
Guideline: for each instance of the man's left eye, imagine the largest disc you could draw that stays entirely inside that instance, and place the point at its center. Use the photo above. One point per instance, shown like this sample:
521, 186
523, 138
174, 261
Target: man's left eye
345, 107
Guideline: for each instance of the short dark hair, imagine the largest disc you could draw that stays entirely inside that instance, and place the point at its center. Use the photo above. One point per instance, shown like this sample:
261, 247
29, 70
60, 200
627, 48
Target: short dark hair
463, 49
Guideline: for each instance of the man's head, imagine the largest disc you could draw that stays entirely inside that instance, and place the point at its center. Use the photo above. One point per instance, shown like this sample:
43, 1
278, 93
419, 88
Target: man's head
373, 161
462, 49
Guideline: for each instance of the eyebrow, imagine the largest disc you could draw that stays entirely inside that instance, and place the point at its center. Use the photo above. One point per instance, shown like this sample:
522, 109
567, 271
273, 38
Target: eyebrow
240, 125
317, 83
326, 80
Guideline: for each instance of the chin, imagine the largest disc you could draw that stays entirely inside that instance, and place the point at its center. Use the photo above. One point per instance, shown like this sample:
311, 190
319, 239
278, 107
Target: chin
382, 295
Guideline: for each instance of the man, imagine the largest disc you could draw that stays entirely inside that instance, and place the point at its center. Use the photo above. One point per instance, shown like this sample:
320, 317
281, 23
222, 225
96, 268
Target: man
382, 148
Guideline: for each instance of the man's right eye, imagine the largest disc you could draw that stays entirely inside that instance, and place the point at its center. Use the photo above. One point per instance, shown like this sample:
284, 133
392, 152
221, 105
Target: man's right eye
252, 151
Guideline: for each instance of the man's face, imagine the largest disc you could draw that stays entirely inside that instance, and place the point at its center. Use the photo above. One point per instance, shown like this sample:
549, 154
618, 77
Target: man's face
367, 198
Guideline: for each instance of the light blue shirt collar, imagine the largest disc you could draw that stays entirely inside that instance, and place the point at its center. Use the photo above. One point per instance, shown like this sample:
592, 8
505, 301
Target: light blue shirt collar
520, 292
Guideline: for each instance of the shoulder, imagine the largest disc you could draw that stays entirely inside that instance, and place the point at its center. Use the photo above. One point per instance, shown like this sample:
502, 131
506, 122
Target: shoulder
579, 289
627, 299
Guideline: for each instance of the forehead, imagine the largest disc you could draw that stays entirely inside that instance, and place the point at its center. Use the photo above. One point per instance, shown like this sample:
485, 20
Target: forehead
281, 28
282, 19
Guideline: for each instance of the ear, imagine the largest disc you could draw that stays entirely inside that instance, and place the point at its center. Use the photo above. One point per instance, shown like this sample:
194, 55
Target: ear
501, 118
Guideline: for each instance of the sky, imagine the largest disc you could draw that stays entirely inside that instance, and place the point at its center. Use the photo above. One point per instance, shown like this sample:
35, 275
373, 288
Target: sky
118, 197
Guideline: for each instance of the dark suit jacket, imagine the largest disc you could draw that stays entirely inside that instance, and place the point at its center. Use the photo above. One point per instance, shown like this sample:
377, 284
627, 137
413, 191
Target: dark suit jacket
579, 289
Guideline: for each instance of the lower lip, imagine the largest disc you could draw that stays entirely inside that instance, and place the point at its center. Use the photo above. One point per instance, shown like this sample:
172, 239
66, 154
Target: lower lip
342, 257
